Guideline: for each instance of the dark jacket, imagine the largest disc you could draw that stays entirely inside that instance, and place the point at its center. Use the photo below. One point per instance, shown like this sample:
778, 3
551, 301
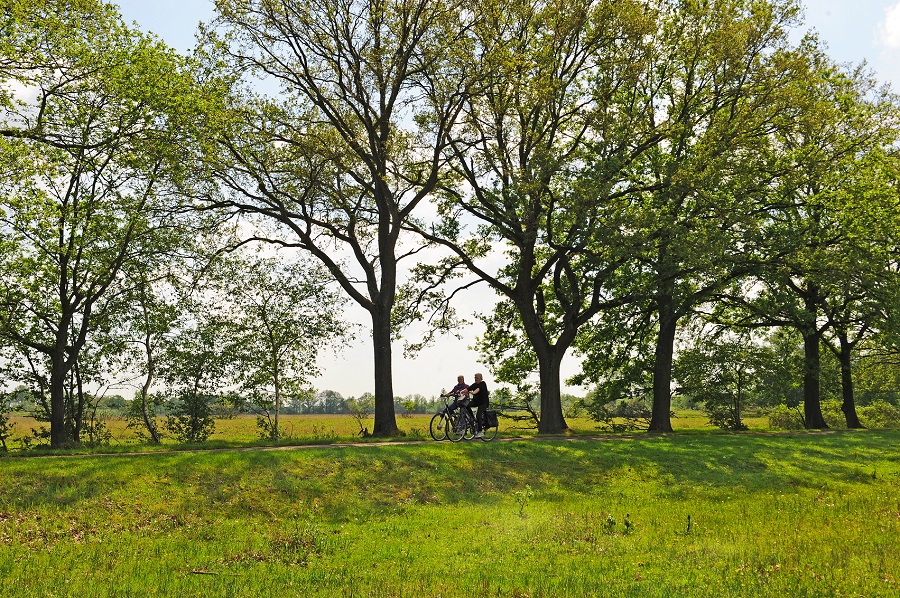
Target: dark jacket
481, 397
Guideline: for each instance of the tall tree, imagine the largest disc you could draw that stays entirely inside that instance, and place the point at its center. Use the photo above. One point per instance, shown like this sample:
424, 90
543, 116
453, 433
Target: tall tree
857, 300
830, 220
716, 85
538, 156
352, 144
92, 137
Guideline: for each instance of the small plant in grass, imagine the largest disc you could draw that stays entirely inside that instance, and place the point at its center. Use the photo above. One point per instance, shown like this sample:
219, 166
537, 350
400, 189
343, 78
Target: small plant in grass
320, 433
609, 524
629, 527
297, 544
522, 497
292, 544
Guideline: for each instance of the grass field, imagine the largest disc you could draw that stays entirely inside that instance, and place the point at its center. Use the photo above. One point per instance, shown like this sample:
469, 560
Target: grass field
709, 514
323, 429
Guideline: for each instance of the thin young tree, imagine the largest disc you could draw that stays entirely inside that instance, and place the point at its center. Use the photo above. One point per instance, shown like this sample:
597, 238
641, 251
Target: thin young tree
281, 314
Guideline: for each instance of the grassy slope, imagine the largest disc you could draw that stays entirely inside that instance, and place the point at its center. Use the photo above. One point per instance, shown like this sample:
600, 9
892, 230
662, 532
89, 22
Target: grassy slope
773, 515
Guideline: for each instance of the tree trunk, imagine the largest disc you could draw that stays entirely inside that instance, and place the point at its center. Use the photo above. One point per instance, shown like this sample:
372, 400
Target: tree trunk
78, 411
145, 412
552, 420
145, 393
549, 358
385, 418
276, 433
59, 434
661, 418
849, 404
738, 401
812, 400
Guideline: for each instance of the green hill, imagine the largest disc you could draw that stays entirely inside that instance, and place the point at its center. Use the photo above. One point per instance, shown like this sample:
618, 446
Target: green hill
705, 514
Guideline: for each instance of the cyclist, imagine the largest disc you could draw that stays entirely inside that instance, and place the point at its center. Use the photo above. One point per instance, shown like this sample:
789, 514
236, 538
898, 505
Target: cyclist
458, 392
478, 392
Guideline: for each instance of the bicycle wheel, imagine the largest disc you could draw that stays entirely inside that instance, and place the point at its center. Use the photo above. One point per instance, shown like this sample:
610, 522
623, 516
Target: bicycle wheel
456, 427
489, 433
438, 426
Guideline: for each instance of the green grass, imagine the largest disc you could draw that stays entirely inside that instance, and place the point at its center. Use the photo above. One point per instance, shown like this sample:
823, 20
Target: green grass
771, 515
325, 429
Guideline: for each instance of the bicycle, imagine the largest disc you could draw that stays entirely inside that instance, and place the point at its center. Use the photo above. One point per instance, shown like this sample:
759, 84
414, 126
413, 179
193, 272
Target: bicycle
463, 427
445, 419
456, 424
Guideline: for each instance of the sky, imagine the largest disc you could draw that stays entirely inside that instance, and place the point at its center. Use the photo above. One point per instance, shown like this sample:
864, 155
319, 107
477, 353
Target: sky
854, 31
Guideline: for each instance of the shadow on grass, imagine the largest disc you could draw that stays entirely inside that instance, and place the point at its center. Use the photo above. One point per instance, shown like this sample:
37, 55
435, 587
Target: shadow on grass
340, 483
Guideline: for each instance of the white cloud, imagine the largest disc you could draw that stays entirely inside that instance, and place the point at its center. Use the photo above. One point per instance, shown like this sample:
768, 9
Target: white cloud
889, 28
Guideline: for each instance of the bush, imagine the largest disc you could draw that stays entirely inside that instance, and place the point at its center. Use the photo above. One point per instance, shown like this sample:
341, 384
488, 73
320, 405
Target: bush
134, 416
632, 414
725, 416
191, 418
782, 417
834, 416
880, 414
96, 431
360, 409
6, 424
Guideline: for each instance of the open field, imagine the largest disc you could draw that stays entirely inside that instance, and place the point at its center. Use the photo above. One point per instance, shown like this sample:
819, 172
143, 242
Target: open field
323, 429
805, 514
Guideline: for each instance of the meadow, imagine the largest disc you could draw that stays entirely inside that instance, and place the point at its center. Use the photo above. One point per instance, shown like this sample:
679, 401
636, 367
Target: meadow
324, 429
694, 514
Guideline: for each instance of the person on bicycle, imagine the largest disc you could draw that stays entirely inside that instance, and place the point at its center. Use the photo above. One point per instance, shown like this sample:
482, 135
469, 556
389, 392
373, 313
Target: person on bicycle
459, 392
478, 392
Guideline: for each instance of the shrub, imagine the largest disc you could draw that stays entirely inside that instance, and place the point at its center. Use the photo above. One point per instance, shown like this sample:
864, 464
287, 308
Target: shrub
96, 431
409, 405
191, 418
880, 414
834, 416
6, 424
360, 409
134, 416
782, 417
623, 415
726, 416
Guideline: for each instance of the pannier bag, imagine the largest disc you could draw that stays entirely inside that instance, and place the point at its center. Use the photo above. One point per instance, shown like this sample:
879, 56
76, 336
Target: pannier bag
490, 419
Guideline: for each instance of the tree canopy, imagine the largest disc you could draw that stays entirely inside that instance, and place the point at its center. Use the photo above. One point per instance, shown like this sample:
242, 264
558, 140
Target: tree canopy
621, 173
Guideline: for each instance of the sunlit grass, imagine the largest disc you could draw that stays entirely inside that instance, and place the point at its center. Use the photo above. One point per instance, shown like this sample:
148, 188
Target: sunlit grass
323, 429
786, 515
